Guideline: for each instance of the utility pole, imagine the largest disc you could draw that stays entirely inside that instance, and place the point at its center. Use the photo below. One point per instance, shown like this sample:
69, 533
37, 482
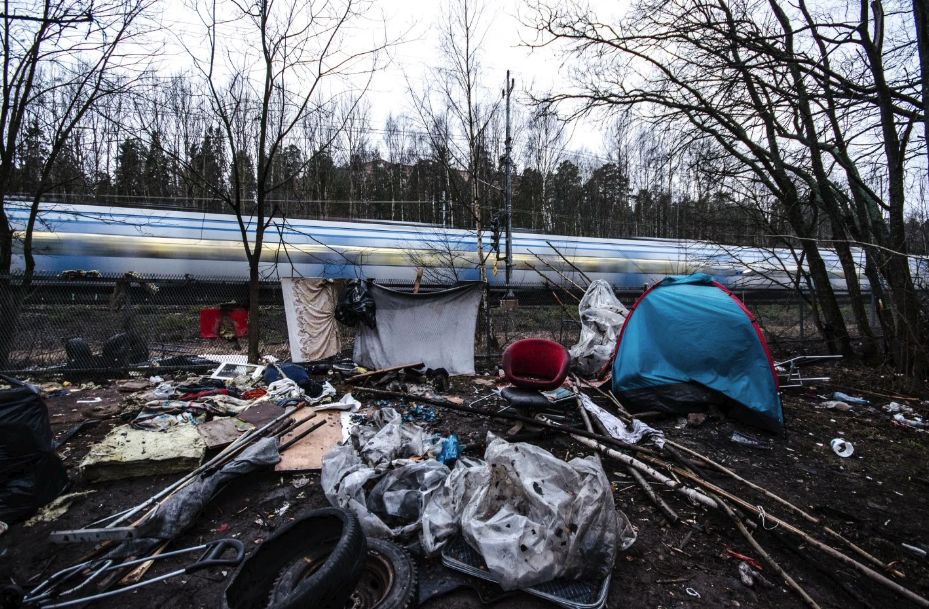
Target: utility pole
508, 184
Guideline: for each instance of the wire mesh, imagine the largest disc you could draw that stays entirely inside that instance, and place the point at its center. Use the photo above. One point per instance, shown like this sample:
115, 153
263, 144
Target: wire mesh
146, 319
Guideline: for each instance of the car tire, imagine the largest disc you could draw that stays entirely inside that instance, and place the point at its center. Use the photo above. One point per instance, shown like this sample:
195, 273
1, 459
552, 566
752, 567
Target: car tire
324, 554
389, 579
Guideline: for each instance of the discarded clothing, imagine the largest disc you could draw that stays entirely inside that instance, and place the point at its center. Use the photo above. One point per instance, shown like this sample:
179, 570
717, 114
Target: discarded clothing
530, 515
202, 394
356, 305
435, 328
309, 305
618, 429
602, 317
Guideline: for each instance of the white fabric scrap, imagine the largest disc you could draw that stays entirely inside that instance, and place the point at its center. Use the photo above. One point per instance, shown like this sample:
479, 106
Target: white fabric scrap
618, 429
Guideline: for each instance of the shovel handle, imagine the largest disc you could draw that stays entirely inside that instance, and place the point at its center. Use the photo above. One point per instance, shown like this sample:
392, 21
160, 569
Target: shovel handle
213, 555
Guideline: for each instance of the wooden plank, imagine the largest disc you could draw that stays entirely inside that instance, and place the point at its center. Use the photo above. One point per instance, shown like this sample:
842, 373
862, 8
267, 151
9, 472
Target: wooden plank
307, 453
373, 373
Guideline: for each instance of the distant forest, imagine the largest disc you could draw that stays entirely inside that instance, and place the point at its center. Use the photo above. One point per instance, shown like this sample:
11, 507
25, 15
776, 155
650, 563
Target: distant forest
640, 188
406, 177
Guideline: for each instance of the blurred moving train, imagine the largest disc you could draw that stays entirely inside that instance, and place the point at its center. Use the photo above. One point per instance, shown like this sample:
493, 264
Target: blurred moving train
161, 242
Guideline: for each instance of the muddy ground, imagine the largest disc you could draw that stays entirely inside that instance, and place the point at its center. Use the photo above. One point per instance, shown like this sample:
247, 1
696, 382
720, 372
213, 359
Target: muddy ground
878, 498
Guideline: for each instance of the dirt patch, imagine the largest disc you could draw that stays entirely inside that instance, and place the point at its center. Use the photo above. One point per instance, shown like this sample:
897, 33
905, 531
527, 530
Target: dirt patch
877, 499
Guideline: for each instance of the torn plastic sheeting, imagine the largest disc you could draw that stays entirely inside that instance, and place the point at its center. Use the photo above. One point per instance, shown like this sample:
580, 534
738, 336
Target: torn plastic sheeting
179, 511
374, 458
602, 317
388, 438
531, 516
618, 429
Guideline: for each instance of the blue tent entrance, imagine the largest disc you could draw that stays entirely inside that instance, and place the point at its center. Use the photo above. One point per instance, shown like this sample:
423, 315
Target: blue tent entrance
689, 342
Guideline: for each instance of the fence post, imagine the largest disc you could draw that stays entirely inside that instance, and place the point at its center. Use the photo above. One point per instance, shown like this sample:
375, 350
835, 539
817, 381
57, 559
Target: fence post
802, 320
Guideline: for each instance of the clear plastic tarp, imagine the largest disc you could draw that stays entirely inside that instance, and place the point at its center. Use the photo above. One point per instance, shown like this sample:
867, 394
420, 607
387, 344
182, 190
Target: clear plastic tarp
602, 317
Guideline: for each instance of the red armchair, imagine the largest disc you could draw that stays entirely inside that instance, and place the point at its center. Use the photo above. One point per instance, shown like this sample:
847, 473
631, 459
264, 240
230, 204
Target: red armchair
536, 363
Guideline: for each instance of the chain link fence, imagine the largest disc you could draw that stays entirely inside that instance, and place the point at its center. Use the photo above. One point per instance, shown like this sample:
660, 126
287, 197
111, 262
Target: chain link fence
113, 323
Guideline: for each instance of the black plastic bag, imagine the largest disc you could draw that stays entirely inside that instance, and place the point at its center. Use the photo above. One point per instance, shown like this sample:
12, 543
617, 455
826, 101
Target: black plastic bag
356, 305
31, 474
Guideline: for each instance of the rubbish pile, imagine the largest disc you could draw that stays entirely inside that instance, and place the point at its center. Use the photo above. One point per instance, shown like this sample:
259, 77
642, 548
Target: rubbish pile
523, 479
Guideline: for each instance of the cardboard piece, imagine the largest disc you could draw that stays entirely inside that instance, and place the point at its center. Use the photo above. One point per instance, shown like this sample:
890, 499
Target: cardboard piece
260, 413
307, 454
129, 453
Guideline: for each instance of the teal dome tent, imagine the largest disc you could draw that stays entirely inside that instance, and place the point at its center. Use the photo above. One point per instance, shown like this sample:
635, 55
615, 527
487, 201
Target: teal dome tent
688, 342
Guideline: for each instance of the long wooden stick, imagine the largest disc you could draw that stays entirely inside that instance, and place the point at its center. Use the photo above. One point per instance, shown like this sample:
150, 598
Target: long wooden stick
786, 526
693, 495
791, 583
642, 482
301, 435
773, 496
606, 440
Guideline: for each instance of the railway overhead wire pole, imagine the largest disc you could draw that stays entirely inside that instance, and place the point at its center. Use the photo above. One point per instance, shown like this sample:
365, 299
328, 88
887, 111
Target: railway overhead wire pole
508, 183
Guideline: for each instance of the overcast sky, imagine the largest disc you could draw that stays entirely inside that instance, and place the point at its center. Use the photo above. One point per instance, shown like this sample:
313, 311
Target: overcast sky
416, 25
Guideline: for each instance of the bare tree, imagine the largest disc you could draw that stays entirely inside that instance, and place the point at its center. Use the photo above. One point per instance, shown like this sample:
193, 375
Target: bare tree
544, 150
263, 93
60, 59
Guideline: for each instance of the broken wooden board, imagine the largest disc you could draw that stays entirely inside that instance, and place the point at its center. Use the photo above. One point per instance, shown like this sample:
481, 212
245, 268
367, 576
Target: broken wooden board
222, 432
307, 454
375, 373
129, 453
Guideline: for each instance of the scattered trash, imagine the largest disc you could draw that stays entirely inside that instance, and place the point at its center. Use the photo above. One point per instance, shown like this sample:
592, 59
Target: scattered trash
747, 440
424, 414
790, 372
835, 405
894, 407
618, 429
163, 391
915, 422
451, 451
96, 400
230, 370
56, 508
742, 557
692, 592
842, 447
850, 399
300, 482
696, 419
914, 550
59, 589
132, 386
373, 475
749, 576
347, 403
273, 576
